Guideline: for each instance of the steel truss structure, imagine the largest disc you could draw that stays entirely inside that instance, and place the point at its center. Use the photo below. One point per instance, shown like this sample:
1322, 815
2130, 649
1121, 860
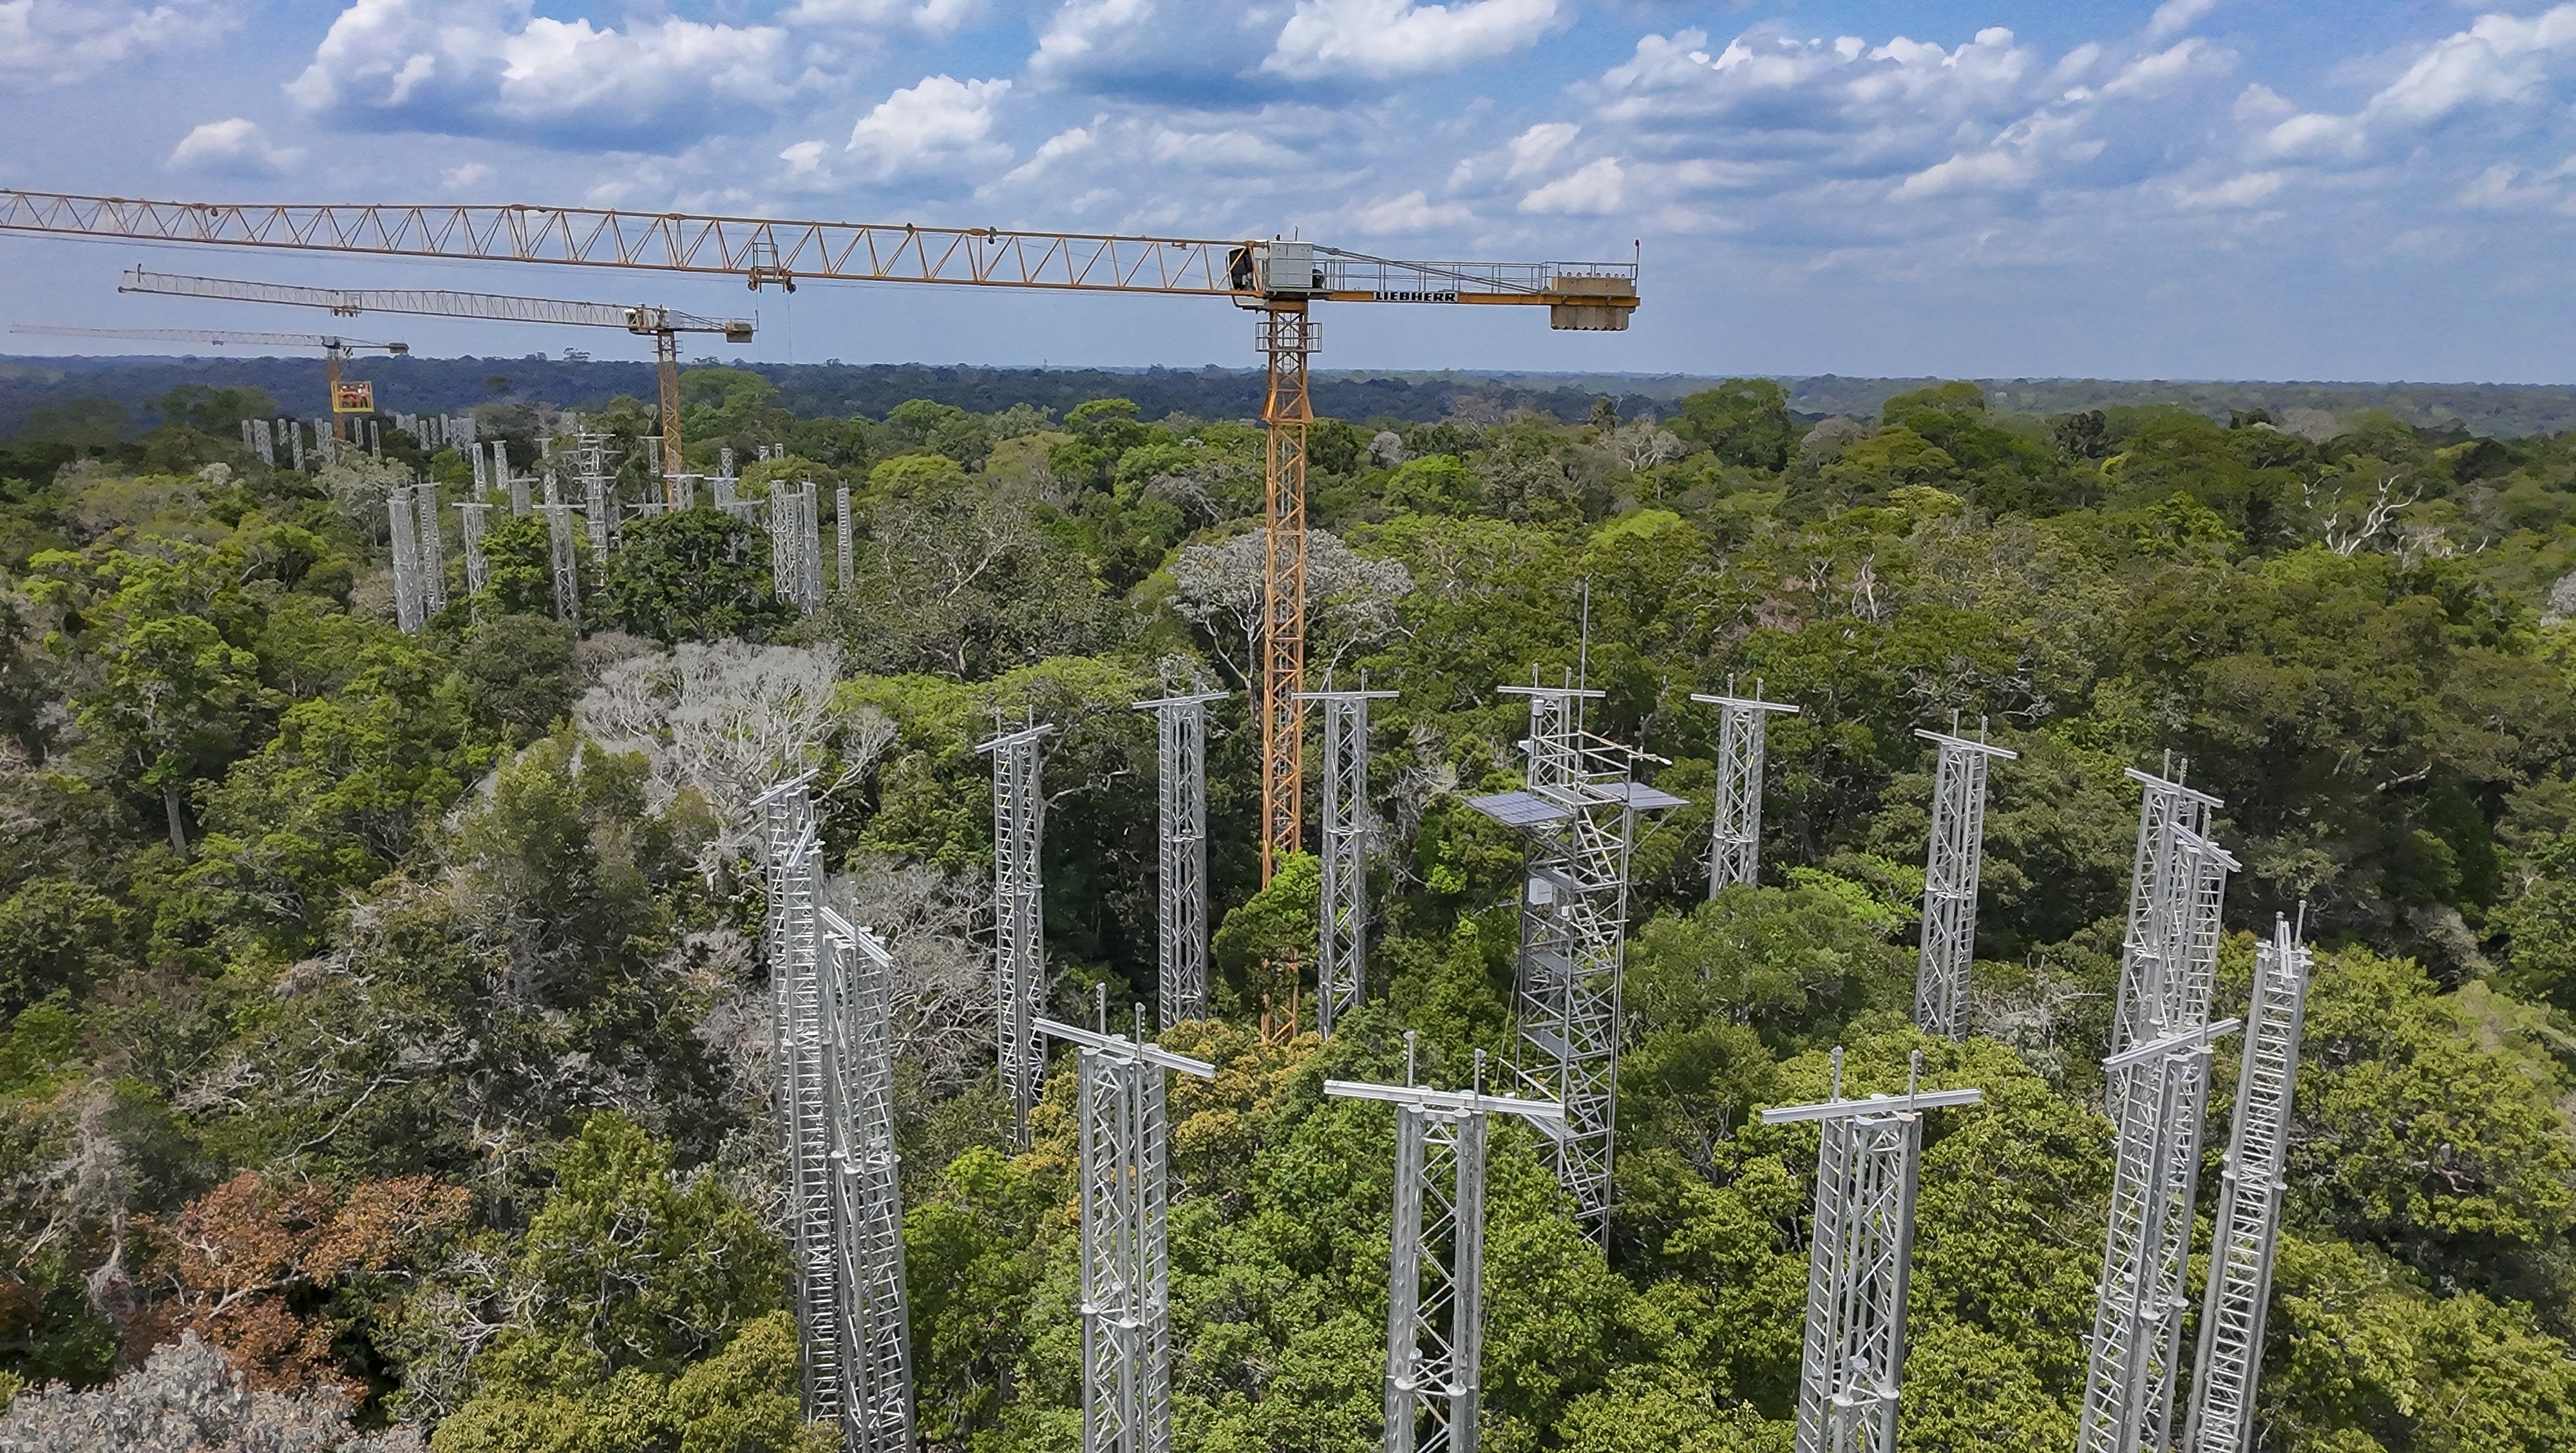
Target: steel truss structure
593, 467
478, 569
2249, 1203
1435, 1308
408, 615
835, 1089
1126, 1260
1950, 872
1859, 1258
561, 553
1019, 954
1341, 972
1578, 817
796, 545
841, 529
2157, 1084
1735, 843
1181, 899
432, 551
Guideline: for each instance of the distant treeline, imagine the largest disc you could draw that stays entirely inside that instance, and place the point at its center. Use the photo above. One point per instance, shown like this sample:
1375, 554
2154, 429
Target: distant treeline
435, 385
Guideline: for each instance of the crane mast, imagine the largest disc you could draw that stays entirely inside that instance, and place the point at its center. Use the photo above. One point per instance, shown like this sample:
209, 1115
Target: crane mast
1279, 278
333, 348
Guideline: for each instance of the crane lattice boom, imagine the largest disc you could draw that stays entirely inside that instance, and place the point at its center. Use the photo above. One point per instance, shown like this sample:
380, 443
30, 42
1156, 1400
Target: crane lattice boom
349, 302
210, 335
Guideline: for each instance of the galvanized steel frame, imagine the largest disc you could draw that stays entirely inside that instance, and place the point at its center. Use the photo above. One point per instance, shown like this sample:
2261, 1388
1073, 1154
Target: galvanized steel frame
1341, 971
1019, 954
1181, 901
1735, 836
2247, 1227
1951, 868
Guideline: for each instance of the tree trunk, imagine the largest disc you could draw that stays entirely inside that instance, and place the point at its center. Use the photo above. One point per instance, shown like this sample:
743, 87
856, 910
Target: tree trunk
178, 824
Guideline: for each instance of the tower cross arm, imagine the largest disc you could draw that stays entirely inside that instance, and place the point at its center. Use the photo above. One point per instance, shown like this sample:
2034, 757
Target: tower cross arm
1192, 699
1346, 695
2154, 783
1753, 703
1966, 744
1131, 1048
1910, 1103
1545, 1114
1008, 740
2155, 1049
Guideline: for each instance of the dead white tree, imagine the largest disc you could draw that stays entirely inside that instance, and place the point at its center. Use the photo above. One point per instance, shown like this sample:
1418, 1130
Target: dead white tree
2375, 517
1350, 599
727, 719
1645, 445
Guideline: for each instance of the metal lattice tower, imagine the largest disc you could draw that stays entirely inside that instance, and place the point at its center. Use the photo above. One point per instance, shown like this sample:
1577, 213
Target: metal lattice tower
432, 552
830, 1025
1181, 898
592, 462
1578, 816
1950, 872
2157, 1083
1019, 952
867, 1209
2249, 1203
1859, 1257
1341, 972
478, 570
1735, 843
561, 553
1126, 1258
398, 521
1435, 1305
841, 529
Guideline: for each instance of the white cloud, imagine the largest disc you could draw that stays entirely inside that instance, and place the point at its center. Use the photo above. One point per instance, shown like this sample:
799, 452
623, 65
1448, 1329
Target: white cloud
1165, 52
804, 159
466, 177
2153, 75
1061, 147
930, 17
237, 147
2246, 189
494, 67
2176, 16
2502, 62
69, 40
940, 124
1535, 149
1412, 212
1591, 190
1382, 39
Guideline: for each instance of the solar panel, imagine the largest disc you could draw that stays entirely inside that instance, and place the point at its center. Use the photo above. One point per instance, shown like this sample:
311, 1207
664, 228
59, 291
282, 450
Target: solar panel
1518, 809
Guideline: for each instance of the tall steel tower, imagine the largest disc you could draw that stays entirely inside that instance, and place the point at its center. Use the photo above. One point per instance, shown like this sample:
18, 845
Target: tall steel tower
1950, 872
1126, 1260
398, 527
1436, 1266
1341, 975
834, 1060
432, 551
559, 543
1019, 954
1859, 1258
1181, 901
2249, 1203
478, 570
1735, 844
1578, 816
2157, 1082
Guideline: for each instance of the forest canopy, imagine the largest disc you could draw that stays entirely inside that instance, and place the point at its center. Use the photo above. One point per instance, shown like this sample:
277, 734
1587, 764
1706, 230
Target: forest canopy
383, 1032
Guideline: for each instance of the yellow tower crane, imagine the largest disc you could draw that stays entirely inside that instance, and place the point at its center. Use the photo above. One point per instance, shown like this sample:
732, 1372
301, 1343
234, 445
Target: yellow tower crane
1281, 279
662, 325
333, 348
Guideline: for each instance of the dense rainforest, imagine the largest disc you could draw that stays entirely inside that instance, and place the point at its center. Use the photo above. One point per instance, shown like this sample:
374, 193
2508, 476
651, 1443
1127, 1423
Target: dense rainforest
383, 1036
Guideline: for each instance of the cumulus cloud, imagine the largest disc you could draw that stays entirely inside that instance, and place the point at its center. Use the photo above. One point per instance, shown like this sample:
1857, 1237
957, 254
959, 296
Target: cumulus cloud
1383, 39
1412, 212
930, 17
495, 67
70, 40
2175, 16
236, 147
941, 124
1160, 51
2500, 63
1595, 188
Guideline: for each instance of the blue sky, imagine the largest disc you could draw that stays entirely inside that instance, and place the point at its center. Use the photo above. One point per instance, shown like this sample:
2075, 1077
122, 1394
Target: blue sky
2196, 189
